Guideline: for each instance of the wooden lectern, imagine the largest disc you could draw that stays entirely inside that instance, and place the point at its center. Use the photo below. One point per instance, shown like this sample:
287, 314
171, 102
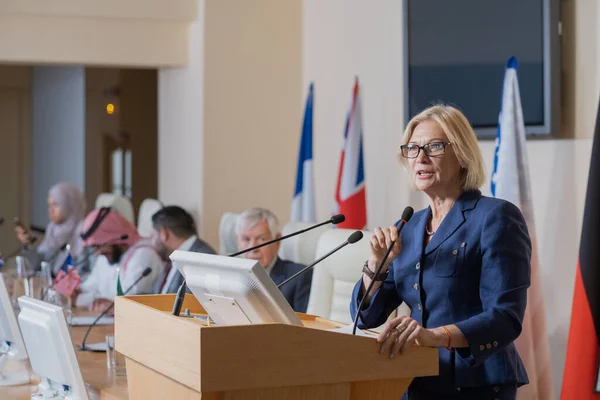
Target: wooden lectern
183, 358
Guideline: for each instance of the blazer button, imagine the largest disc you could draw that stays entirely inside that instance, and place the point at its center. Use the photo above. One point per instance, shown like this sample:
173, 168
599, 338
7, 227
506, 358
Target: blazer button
482, 347
495, 344
418, 266
455, 252
419, 306
416, 286
463, 244
496, 389
488, 346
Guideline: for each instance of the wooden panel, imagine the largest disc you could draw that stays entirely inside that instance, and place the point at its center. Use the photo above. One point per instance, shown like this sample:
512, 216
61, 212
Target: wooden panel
13, 134
254, 354
315, 392
160, 341
150, 384
380, 389
314, 356
139, 120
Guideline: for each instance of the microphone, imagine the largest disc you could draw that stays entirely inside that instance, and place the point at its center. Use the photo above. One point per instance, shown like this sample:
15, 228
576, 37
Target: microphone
336, 219
406, 216
82, 347
353, 238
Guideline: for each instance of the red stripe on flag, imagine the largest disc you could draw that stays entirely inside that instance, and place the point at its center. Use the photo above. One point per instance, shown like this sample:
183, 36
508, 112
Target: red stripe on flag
354, 209
581, 365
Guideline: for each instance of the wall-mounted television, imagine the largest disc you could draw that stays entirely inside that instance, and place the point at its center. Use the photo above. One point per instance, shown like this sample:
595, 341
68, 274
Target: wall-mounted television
456, 50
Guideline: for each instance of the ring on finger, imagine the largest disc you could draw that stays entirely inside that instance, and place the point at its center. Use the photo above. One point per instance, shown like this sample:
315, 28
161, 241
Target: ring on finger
401, 328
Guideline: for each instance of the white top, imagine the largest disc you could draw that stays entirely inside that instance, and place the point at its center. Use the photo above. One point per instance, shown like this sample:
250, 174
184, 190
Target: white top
185, 246
102, 281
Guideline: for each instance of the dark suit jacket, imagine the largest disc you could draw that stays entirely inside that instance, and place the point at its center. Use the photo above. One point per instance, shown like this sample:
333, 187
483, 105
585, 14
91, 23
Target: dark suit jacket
199, 246
296, 291
474, 273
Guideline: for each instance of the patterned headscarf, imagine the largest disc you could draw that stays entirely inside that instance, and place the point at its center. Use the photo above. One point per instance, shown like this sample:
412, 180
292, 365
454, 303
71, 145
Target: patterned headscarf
72, 204
110, 229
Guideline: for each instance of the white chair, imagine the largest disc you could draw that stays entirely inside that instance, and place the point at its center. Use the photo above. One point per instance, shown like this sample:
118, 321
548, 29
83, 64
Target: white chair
119, 203
227, 244
334, 278
144, 220
302, 248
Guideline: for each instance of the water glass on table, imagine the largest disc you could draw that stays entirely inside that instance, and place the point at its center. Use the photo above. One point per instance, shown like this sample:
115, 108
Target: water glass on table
115, 361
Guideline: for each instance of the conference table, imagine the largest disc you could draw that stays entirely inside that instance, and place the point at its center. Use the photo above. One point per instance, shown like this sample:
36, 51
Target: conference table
100, 382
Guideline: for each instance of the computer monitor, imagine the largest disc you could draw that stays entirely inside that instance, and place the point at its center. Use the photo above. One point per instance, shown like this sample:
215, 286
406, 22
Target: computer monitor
234, 291
48, 342
11, 342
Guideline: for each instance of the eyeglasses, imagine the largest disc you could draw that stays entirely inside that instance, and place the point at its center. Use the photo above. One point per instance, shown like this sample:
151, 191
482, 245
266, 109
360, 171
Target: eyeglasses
432, 149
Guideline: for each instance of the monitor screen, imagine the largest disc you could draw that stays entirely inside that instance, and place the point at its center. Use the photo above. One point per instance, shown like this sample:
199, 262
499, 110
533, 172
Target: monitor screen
457, 51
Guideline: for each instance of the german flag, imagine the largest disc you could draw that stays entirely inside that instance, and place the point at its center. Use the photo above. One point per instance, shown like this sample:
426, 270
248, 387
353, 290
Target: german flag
581, 374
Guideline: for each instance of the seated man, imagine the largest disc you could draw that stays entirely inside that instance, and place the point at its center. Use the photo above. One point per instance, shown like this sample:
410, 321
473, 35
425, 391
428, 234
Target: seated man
120, 260
258, 225
174, 229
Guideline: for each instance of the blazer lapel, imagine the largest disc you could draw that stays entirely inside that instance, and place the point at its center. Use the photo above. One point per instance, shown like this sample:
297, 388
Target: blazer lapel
419, 230
277, 273
453, 220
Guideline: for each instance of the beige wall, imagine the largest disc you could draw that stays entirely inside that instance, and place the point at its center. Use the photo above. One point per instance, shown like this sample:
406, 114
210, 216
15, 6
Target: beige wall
366, 39
117, 33
252, 107
15, 146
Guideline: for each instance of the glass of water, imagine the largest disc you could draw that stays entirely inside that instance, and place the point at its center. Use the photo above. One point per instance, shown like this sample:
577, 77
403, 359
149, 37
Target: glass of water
115, 361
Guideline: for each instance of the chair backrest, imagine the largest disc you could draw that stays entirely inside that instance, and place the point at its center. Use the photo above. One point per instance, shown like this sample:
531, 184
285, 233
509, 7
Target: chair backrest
227, 244
302, 248
144, 220
335, 277
119, 203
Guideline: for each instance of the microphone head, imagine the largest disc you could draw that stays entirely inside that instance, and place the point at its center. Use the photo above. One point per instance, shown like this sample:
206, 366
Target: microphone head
355, 237
338, 219
147, 271
407, 214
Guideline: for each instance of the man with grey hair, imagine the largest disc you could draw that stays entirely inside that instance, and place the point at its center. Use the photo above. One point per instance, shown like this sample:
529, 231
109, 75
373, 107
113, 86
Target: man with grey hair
258, 225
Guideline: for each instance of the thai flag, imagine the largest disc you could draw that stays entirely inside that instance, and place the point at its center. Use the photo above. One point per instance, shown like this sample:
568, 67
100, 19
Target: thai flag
350, 193
1, 261
67, 279
510, 181
303, 203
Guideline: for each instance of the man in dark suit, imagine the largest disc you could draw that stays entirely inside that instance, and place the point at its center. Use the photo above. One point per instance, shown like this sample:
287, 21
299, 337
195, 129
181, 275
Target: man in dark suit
258, 225
174, 229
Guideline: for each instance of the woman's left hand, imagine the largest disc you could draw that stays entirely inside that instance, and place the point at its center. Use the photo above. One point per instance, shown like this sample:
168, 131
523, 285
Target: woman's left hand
401, 332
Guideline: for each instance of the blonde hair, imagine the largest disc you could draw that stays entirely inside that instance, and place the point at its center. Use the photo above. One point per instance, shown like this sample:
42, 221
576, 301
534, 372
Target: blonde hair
464, 142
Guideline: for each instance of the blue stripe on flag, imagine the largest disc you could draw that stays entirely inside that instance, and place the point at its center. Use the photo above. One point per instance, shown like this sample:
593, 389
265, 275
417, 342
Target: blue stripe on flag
68, 263
306, 147
360, 175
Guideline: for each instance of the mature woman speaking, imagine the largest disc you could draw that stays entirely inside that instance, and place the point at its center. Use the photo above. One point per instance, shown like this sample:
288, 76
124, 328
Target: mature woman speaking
462, 265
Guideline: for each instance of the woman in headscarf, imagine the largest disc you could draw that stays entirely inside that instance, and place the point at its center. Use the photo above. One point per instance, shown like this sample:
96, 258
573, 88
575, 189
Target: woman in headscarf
66, 210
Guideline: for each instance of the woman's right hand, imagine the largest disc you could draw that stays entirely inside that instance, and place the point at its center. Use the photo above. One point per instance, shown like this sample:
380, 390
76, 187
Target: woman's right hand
23, 236
379, 243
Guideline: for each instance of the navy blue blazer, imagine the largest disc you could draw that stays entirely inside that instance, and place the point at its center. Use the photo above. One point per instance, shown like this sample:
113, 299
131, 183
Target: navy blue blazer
473, 273
296, 291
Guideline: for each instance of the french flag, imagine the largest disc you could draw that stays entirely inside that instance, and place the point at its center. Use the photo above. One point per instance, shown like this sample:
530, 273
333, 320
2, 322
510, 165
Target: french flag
303, 203
350, 193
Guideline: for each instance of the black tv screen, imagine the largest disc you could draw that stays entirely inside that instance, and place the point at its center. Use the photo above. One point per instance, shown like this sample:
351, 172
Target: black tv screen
456, 52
